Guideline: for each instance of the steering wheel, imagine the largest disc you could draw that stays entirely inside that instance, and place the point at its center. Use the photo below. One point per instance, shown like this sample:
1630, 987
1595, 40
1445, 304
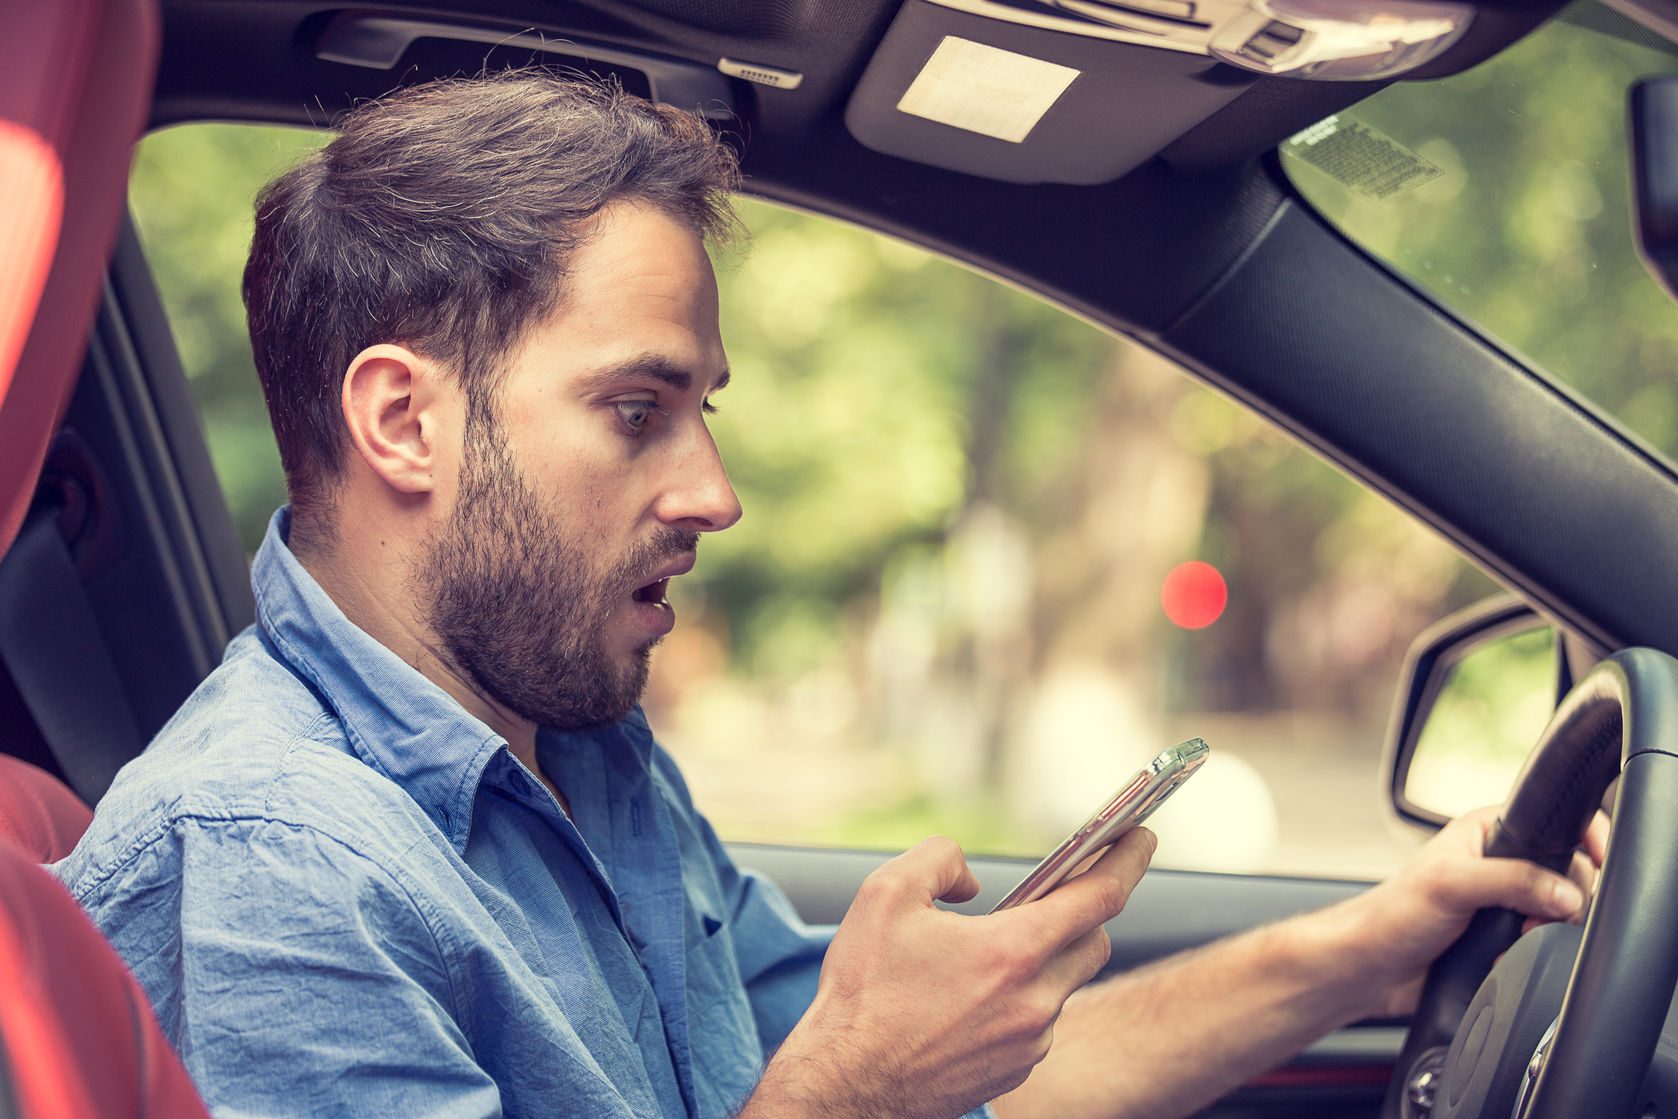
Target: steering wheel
1621, 721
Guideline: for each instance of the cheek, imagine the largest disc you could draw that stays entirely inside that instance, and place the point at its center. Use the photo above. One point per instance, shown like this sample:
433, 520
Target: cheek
598, 509
592, 488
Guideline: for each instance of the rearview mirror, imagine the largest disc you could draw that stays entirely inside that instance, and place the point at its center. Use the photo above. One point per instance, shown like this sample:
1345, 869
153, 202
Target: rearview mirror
1476, 692
1653, 110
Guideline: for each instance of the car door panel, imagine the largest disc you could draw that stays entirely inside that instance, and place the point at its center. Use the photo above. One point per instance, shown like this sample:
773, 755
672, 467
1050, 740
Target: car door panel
1344, 1075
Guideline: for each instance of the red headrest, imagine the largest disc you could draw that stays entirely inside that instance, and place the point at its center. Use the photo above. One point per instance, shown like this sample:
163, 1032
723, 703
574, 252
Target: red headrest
75, 86
38, 812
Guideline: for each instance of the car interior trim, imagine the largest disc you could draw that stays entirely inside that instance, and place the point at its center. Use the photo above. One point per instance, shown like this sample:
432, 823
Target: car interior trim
379, 42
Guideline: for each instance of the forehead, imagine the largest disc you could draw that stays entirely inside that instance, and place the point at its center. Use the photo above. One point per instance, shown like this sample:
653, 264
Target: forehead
640, 283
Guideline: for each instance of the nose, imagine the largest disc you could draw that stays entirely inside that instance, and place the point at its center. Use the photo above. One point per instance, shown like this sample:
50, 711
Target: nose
700, 497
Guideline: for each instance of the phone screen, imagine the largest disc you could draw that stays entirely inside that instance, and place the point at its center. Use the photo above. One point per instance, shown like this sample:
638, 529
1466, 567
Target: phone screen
1135, 801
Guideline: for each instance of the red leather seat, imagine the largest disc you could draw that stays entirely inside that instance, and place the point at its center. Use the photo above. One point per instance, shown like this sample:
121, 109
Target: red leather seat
80, 1040
38, 813
77, 1037
75, 85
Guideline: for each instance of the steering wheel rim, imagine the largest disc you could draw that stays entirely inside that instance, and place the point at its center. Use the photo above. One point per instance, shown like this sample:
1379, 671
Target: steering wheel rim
1621, 721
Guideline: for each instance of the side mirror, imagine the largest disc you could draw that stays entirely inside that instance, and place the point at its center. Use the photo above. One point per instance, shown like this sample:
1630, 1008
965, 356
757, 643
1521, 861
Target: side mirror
1653, 113
1476, 691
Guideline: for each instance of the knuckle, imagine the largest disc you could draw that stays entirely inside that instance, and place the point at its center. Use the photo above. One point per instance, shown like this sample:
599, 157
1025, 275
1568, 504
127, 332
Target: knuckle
1024, 938
876, 882
1034, 1013
938, 850
1103, 950
1111, 896
943, 846
1045, 1010
1437, 890
1536, 882
883, 888
1028, 1015
1041, 1045
1010, 959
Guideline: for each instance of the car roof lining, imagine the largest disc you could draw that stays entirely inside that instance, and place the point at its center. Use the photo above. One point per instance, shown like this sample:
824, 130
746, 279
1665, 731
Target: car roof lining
255, 60
252, 59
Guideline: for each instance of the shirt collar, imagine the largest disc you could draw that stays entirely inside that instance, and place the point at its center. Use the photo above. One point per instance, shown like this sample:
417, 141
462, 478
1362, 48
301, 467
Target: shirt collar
396, 720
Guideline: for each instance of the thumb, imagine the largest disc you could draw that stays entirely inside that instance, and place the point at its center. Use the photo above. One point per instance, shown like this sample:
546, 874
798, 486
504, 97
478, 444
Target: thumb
937, 863
1098, 893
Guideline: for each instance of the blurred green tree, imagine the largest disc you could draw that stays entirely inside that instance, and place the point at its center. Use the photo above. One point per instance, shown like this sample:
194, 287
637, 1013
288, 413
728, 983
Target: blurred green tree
1528, 230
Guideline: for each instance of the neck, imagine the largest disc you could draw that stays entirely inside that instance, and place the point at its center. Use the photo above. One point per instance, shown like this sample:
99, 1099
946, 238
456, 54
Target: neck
371, 576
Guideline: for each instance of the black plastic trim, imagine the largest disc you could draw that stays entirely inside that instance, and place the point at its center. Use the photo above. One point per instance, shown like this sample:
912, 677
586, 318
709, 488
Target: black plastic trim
158, 363
1169, 910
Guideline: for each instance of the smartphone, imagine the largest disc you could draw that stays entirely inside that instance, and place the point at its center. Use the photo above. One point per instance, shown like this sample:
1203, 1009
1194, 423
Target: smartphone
1134, 802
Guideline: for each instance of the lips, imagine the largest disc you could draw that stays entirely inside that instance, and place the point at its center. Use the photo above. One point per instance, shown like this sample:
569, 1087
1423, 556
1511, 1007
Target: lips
653, 591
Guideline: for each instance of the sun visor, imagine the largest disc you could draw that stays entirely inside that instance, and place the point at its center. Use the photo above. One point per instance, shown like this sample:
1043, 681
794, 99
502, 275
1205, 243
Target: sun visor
1028, 104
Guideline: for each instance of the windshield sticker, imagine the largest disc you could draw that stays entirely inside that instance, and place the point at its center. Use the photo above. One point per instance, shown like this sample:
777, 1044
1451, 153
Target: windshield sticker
984, 89
1360, 158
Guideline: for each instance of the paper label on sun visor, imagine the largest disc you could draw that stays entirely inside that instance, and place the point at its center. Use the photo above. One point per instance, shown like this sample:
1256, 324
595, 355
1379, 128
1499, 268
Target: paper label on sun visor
1356, 156
985, 89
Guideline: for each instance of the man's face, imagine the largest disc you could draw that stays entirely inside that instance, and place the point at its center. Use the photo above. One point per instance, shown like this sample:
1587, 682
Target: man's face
585, 491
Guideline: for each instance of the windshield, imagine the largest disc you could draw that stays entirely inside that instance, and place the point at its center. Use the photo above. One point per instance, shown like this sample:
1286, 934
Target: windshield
1503, 191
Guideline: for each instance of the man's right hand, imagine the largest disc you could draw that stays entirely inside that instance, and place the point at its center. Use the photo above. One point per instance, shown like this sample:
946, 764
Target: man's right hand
924, 1012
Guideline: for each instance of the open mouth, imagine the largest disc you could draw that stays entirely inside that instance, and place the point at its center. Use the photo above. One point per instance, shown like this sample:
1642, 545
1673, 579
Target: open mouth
653, 592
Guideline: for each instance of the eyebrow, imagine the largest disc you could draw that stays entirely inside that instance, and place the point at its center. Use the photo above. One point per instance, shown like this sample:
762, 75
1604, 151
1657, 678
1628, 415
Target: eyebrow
653, 366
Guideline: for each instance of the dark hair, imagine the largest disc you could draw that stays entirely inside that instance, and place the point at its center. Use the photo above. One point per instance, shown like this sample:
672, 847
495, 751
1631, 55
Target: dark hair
441, 219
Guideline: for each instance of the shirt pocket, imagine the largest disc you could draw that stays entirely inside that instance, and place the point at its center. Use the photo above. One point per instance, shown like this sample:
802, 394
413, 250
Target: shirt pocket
722, 1034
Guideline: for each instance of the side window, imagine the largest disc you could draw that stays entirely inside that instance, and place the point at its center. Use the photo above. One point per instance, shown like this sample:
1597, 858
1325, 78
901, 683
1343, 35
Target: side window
993, 558
191, 193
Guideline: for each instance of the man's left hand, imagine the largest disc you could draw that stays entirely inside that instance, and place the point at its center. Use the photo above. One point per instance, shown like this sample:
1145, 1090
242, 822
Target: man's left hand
1397, 928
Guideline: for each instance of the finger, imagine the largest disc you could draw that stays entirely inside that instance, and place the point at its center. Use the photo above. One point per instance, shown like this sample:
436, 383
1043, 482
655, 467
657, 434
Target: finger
1467, 831
936, 864
1583, 874
1482, 817
1079, 962
1511, 883
1094, 897
1595, 843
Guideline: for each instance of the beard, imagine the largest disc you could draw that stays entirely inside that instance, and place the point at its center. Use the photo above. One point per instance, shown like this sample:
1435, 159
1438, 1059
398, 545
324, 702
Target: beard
521, 610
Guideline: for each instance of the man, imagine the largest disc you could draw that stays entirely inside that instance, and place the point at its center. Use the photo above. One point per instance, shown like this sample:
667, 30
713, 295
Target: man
412, 849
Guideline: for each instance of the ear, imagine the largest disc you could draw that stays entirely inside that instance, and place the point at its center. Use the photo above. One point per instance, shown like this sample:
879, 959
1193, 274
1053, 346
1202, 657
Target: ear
398, 407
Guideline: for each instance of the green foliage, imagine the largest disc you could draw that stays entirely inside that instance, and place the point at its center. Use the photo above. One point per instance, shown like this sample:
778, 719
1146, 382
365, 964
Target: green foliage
1528, 231
851, 425
982, 824
191, 192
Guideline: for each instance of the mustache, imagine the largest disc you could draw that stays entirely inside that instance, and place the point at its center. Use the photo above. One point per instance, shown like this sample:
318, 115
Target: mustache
665, 544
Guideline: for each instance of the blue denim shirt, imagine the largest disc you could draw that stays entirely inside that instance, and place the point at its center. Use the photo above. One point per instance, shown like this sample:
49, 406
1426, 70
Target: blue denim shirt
346, 897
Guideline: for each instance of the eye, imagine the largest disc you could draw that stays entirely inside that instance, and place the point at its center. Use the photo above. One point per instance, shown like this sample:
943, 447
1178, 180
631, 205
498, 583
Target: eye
636, 414
708, 408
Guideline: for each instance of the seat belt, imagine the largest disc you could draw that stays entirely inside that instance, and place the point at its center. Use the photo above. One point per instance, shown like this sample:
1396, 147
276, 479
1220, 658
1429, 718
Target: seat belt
52, 645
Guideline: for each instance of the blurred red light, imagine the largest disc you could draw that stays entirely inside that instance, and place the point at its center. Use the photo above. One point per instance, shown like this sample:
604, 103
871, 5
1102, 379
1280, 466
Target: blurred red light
1194, 595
